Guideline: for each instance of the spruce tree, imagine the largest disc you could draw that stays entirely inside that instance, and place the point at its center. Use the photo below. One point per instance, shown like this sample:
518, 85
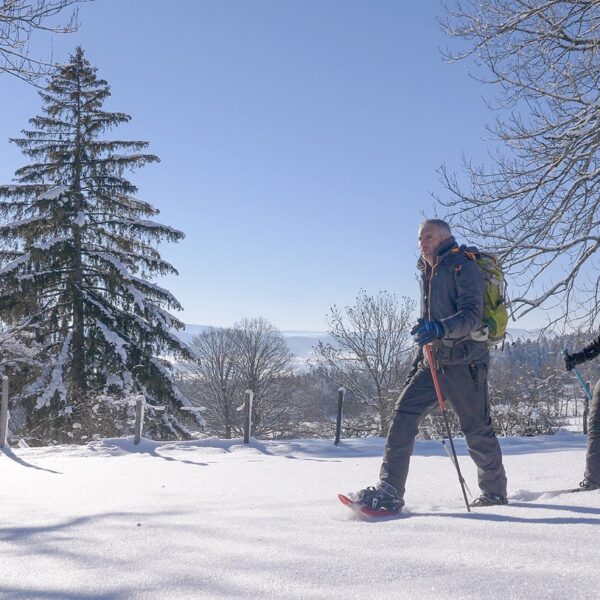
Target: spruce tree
79, 253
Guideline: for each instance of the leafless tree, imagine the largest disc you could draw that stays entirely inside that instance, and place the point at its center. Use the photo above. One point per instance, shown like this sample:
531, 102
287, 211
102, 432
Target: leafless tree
536, 204
213, 381
263, 361
370, 350
252, 355
19, 19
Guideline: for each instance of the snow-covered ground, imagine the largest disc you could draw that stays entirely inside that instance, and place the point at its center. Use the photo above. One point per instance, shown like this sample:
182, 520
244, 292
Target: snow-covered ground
217, 519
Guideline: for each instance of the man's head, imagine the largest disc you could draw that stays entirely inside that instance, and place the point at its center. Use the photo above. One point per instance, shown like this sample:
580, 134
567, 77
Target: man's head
432, 232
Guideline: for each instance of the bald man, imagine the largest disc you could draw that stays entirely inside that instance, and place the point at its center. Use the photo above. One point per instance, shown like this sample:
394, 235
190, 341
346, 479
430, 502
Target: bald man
452, 289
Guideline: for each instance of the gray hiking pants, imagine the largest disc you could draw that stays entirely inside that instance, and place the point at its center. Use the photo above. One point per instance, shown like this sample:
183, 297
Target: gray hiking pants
592, 462
465, 388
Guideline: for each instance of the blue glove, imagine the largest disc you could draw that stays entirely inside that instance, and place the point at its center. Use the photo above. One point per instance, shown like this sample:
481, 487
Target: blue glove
424, 332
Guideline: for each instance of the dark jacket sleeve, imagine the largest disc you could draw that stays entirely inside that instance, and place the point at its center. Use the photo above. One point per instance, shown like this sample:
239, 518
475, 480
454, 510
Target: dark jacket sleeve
587, 352
469, 301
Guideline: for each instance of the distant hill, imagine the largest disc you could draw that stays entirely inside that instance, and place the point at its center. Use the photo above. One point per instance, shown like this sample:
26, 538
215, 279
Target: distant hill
186, 335
301, 343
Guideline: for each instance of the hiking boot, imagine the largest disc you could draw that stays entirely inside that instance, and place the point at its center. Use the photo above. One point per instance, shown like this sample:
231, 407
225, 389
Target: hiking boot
488, 499
587, 485
382, 498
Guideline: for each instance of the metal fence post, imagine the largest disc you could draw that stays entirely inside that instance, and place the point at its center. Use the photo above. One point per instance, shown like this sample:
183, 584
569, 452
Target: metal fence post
340, 412
248, 415
4, 412
140, 402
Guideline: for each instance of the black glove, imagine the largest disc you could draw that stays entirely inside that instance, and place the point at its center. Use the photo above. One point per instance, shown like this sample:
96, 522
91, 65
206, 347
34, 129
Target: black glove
424, 332
571, 360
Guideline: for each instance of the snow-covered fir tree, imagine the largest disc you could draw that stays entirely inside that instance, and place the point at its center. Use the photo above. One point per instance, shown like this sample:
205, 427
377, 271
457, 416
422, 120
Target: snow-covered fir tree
79, 252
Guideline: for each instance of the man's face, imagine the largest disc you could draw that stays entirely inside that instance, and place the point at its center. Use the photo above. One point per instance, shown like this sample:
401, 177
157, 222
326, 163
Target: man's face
430, 237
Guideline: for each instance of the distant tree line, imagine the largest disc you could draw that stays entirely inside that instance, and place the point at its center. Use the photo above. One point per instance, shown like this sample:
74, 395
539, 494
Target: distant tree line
530, 391
369, 356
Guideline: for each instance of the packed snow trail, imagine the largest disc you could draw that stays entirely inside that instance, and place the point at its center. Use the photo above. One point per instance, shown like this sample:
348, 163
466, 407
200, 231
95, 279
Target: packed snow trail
220, 520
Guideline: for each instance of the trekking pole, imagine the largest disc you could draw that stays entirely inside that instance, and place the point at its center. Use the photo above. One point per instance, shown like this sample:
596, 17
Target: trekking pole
584, 385
586, 389
449, 455
452, 461
438, 391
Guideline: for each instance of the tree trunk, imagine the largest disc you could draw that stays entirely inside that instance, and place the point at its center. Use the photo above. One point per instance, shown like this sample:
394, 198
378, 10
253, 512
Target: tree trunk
78, 343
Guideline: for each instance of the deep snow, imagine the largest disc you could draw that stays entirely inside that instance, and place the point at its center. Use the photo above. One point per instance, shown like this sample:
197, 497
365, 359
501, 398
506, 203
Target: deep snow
217, 519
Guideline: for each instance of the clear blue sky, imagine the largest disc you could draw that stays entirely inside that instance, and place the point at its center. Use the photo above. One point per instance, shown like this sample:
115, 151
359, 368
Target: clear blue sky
299, 141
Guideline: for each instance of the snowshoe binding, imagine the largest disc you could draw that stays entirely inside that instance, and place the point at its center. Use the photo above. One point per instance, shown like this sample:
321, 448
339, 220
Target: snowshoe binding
587, 485
374, 501
489, 499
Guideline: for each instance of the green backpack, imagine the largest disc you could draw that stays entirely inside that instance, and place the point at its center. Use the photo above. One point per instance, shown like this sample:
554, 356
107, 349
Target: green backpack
495, 312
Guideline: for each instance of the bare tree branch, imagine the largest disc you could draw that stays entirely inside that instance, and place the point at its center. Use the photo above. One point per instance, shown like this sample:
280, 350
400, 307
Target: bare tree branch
370, 349
536, 206
19, 20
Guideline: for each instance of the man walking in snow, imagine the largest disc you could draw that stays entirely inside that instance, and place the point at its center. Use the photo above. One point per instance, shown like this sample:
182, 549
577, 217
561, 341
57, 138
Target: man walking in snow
591, 476
452, 288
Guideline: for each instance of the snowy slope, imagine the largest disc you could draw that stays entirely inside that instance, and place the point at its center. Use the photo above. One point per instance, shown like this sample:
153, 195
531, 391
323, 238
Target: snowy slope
217, 519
